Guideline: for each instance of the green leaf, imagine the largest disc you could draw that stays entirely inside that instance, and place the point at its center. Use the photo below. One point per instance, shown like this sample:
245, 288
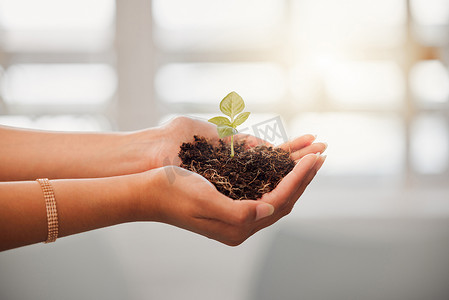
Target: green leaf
240, 119
220, 121
225, 130
232, 104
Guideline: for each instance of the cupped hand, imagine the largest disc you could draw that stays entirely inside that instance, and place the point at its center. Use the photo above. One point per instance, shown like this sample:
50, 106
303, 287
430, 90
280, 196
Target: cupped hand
177, 131
187, 200
182, 129
289, 190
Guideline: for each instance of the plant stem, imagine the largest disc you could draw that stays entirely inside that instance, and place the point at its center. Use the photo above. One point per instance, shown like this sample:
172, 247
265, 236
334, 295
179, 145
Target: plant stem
232, 145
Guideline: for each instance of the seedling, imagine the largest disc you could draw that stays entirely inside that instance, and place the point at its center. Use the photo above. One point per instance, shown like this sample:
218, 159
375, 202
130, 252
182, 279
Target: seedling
232, 105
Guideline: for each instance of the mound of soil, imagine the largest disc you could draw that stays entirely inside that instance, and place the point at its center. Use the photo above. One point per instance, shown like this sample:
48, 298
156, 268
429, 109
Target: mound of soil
248, 175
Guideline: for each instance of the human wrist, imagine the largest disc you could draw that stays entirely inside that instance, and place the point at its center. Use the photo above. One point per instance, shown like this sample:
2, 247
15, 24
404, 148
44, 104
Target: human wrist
146, 193
142, 148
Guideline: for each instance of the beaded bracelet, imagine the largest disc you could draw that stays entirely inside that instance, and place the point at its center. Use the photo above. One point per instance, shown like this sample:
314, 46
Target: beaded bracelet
52, 213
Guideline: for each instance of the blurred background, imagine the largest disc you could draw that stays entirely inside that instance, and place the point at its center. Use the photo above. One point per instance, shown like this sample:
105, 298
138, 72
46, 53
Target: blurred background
370, 77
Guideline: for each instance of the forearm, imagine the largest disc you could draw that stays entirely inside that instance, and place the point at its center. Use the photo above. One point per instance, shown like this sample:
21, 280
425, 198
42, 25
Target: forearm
29, 154
82, 205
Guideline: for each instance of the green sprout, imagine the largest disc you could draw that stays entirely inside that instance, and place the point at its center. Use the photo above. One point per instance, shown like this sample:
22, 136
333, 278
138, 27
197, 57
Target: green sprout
232, 105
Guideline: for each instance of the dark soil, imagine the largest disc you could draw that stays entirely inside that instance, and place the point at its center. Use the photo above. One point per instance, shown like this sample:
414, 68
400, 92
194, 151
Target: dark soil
248, 175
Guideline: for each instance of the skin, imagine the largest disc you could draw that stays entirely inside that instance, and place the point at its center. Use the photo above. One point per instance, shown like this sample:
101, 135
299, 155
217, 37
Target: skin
104, 179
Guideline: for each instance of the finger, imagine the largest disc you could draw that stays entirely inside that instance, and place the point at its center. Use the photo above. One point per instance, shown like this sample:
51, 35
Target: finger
313, 148
226, 210
282, 212
307, 180
319, 163
298, 143
304, 184
236, 227
239, 232
289, 185
235, 212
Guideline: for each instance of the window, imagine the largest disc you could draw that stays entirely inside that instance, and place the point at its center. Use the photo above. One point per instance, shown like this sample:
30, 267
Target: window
368, 76
57, 63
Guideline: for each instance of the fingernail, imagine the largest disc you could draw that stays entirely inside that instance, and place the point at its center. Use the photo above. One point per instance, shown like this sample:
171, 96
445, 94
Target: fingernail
317, 155
325, 146
323, 158
264, 210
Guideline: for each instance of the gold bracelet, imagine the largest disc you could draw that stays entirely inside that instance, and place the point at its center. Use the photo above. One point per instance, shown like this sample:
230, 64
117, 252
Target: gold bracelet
52, 213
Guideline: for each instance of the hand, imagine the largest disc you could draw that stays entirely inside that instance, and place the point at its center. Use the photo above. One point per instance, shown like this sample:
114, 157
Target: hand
161, 149
187, 200
161, 146
303, 145
289, 190
165, 151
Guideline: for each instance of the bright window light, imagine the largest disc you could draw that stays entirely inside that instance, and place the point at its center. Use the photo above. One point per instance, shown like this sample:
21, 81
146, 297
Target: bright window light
59, 84
203, 25
365, 84
57, 41
202, 83
56, 15
430, 144
58, 123
429, 82
216, 14
324, 23
430, 12
52, 25
306, 84
359, 144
